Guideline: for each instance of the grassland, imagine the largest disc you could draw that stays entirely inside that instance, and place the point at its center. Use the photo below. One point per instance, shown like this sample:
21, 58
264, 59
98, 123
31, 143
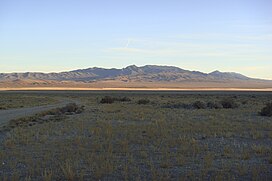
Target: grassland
13, 100
168, 137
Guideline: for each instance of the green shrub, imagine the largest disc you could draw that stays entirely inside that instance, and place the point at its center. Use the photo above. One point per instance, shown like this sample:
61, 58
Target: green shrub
229, 104
107, 100
267, 110
199, 105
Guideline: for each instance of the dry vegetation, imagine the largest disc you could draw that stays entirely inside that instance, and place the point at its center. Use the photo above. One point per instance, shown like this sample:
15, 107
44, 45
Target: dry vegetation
153, 136
9, 101
267, 110
56, 114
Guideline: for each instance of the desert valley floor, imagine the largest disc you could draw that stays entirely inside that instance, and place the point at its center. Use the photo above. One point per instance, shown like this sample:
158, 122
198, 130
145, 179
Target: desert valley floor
135, 135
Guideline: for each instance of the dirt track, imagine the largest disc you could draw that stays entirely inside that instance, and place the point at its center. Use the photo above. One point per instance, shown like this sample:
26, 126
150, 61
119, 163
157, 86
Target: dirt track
7, 115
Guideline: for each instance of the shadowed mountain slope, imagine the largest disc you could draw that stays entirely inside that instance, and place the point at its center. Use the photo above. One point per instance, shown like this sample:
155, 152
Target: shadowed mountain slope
148, 72
148, 75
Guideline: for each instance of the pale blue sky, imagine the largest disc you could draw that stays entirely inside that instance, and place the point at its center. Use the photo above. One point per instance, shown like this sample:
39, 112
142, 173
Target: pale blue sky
58, 35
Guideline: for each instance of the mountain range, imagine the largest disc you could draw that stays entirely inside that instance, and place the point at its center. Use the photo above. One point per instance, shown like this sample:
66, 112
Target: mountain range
132, 76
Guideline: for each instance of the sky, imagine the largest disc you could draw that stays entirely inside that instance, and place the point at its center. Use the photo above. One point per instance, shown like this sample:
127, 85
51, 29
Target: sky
61, 35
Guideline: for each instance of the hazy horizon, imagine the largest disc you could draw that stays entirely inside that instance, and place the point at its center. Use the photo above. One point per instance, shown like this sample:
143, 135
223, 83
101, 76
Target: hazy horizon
56, 36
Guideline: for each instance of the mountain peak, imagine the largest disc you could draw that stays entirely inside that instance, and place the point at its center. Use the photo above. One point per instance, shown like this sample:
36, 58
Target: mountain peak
131, 66
215, 72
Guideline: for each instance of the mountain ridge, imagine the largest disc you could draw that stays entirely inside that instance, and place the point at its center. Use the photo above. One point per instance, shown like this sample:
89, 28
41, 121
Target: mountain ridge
132, 70
132, 75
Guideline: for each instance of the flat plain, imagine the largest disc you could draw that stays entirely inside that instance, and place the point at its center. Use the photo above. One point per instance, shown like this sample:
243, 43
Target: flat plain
137, 135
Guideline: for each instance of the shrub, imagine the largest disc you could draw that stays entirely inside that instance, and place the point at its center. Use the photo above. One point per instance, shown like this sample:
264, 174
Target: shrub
107, 100
71, 108
178, 106
229, 104
124, 99
214, 105
2, 108
143, 101
244, 102
199, 105
270, 160
56, 114
110, 100
267, 110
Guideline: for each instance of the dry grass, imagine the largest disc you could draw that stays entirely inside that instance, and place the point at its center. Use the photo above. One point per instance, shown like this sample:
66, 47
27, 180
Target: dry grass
9, 101
57, 114
128, 141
